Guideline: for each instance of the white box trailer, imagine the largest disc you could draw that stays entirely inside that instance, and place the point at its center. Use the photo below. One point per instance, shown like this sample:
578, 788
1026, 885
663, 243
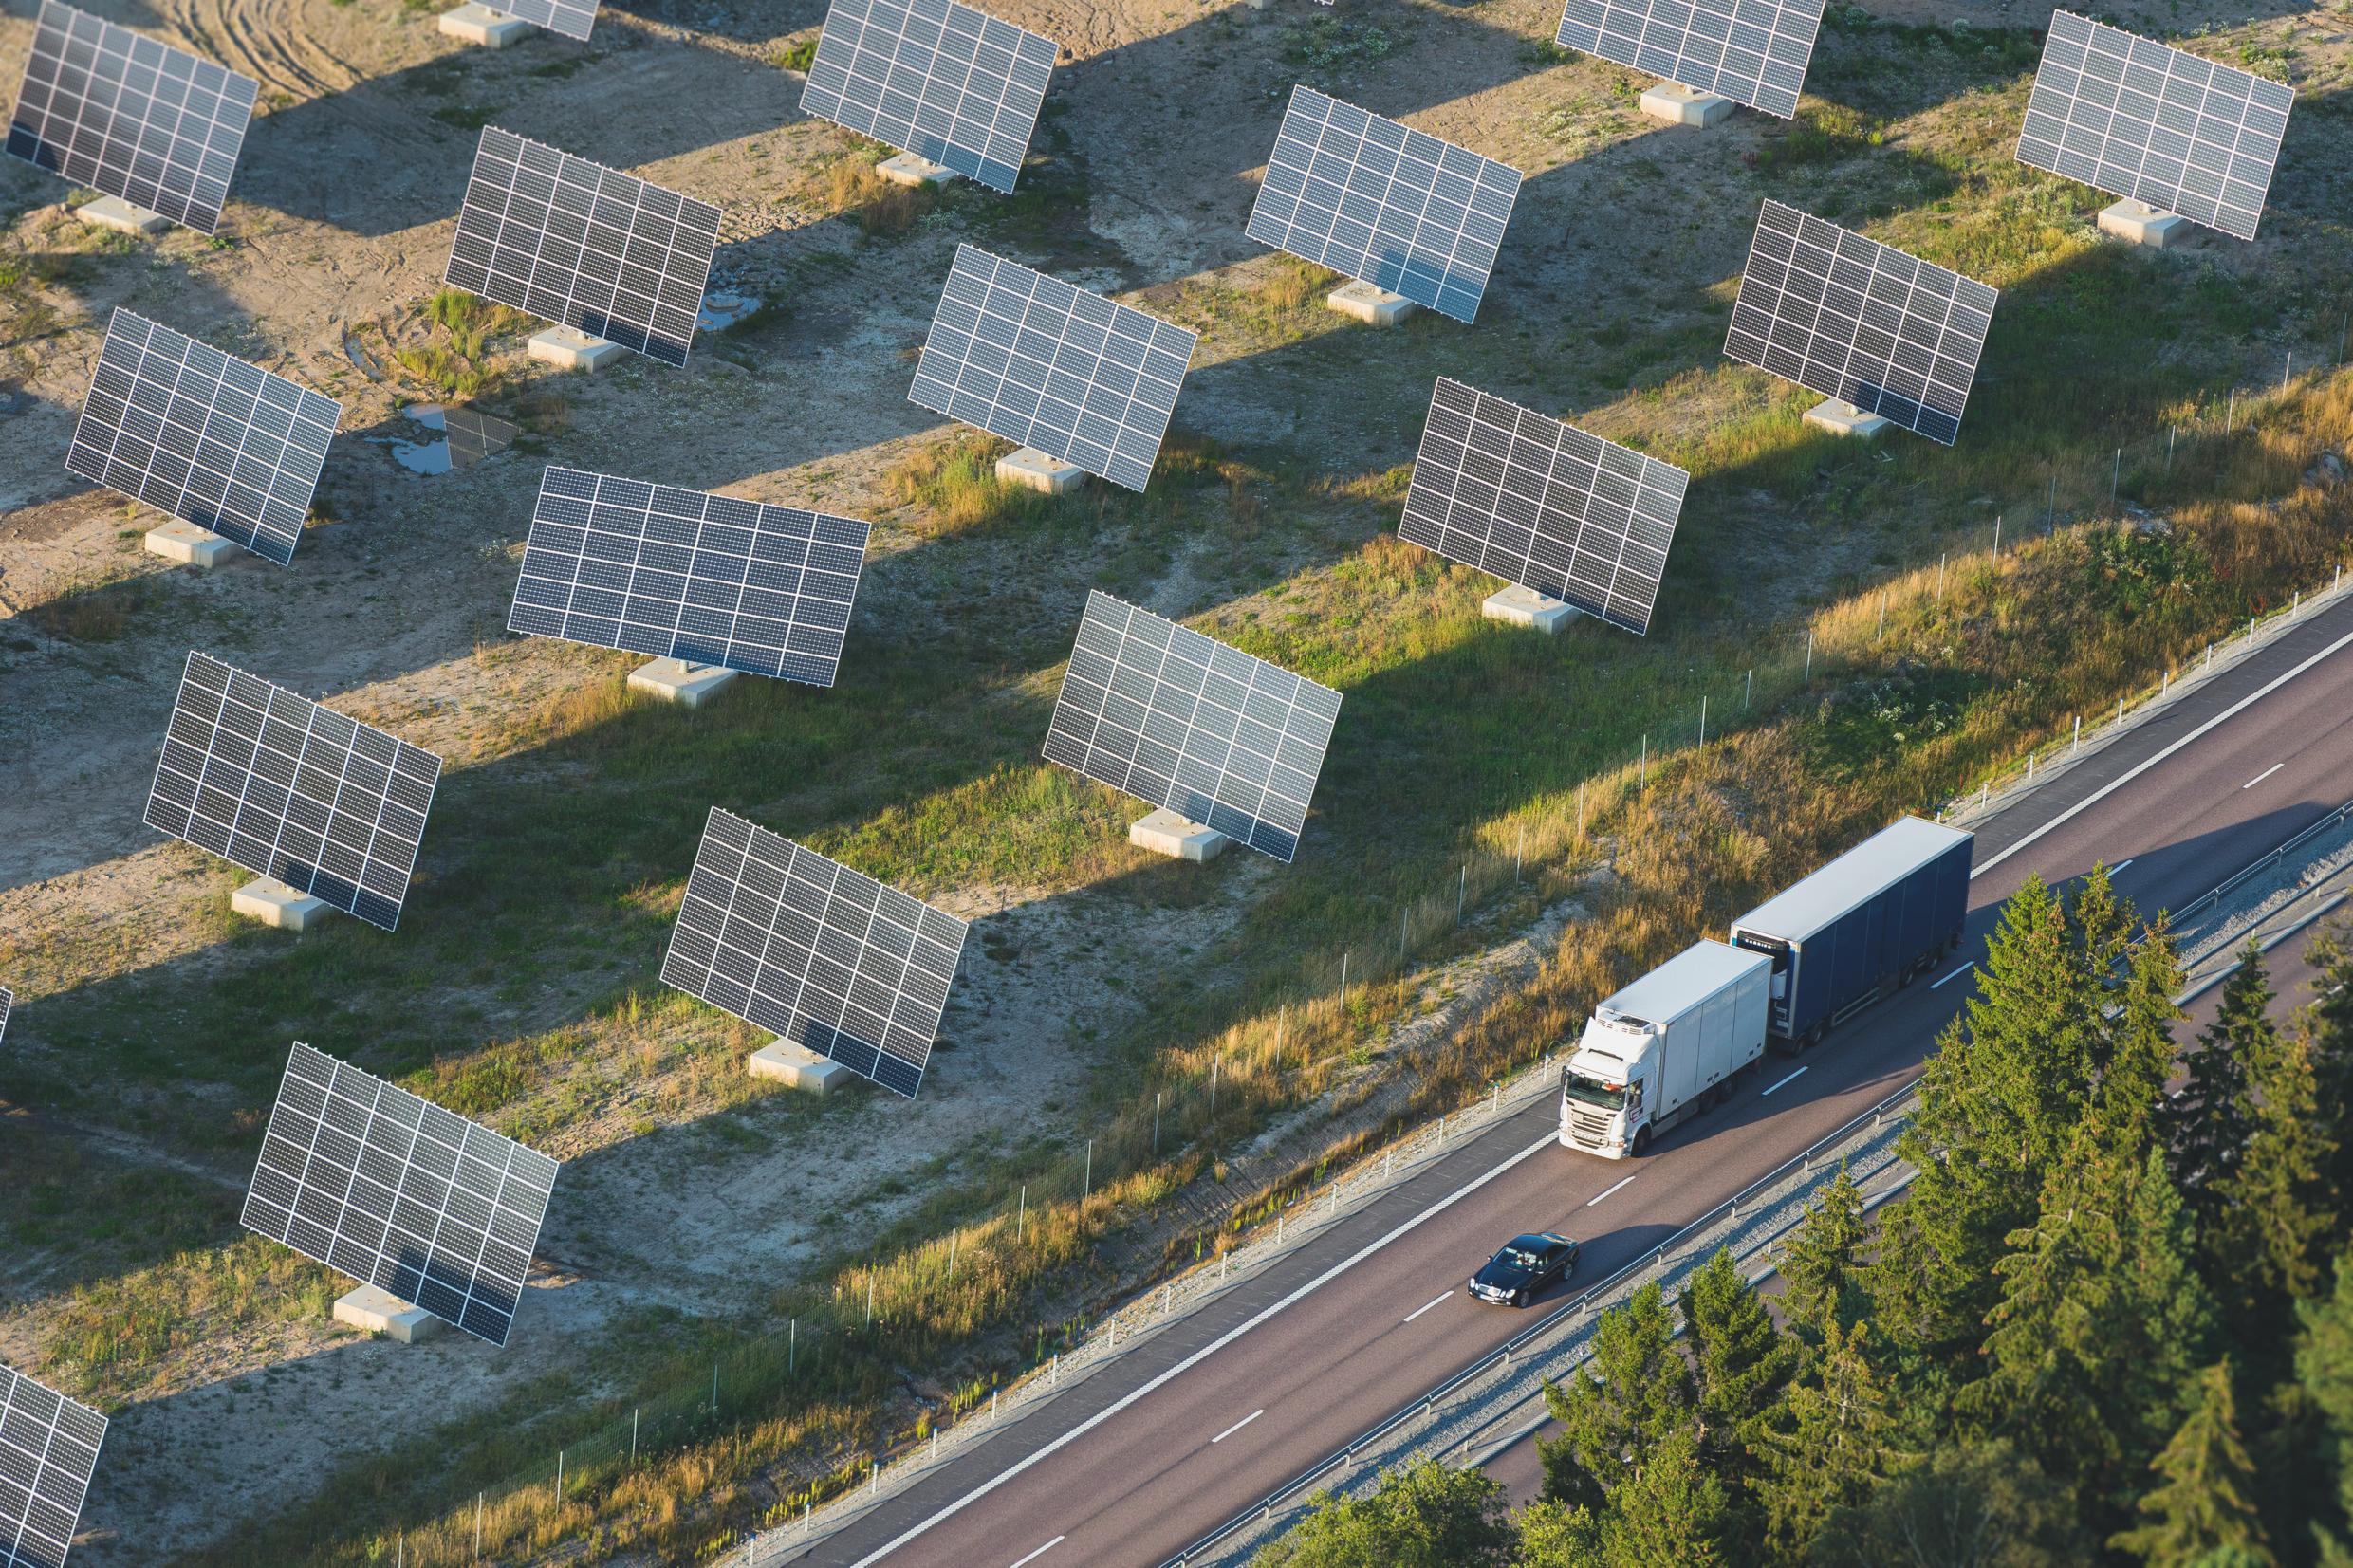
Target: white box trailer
1664, 1048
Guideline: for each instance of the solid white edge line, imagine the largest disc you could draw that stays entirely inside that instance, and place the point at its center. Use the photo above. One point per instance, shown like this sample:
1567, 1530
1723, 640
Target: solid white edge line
2123, 865
1939, 985
2260, 777
1784, 1083
1607, 1191
1227, 1433
1419, 1310
1043, 1550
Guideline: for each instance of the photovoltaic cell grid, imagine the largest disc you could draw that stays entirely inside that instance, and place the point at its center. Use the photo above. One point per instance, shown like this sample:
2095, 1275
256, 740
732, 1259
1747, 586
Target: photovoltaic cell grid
1751, 51
399, 1194
126, 115
932, 78
687, 575
1185, 722
589, 247
193, 432
569, 17
1542, 504
821, 956
1392, 206
2157, 125
1035, 360
8, 1000
289, 789
1858, 321
48, 1451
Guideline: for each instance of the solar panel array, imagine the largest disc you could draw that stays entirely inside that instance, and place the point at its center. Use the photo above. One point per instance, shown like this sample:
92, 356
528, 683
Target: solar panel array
688, 575
1036, 360
193, 432
1181, 720
572, 18
2157, 125
1382, 202
821, 956
592, 247
1542, 504
1861, 321
932, 78
398, 1194
1751, 51
48, 1451
286, 788
126, 115
7, 1001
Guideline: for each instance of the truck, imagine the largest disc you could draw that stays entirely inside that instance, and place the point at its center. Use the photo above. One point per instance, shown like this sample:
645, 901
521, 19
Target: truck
1664, 1048
1879, 916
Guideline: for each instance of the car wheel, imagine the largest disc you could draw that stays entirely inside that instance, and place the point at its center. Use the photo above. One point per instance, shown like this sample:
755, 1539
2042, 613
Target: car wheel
1519, 1298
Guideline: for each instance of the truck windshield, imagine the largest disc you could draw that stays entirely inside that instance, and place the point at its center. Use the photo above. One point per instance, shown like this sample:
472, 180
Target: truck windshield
1589, 1093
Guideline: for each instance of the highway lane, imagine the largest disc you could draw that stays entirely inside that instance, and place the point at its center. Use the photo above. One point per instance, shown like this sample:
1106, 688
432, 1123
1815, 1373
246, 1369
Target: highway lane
1135, 1461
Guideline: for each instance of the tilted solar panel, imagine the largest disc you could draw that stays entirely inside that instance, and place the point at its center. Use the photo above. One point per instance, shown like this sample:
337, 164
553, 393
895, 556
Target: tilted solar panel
286, 788
1542, 504
7, 1001
49, 1452
398, 1194
1170, 716
130, 118
589, 247
1384, 203
572, 18
1861, 321
932, 78
688, 575
817, 954
1751, 51
2155, 123
193, 432
1039, 362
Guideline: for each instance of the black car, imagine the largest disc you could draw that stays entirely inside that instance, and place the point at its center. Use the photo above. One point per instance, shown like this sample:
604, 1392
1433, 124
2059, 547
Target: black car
1525, 1266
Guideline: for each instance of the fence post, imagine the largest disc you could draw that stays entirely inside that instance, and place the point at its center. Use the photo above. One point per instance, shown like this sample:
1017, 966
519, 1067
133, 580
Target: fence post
1462, 891
1748, 687
2116, 475
1641, 776
559, 1477
1087, 1182
1344, 978
2173, 432
1939, 578
1217, 1064
715, 1370
634, 1412
2231, 418
2077, 744
1158, 1097
1703, 715
1581, 806
1809, 637
1882, 627
1282, 1026
1021, 1215
477, 1517
1997, 538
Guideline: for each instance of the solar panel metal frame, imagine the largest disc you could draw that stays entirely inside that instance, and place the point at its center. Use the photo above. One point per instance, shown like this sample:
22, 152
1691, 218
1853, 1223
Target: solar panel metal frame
1391, 206
1751, 51
572, 18
465, 1204
689, 575
2154, 124
204, 435
593, 249
821, 956
905, 72
49, 1452
8, 1004
187, 116
1180, 719
1859, 321
1053, 366
1540, 503
268, 779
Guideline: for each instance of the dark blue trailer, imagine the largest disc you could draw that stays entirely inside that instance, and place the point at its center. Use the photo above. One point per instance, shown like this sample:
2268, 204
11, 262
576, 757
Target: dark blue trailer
1870, 920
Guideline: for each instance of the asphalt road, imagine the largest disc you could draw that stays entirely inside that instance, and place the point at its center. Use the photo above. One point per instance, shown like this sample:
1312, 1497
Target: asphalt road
1135, 1462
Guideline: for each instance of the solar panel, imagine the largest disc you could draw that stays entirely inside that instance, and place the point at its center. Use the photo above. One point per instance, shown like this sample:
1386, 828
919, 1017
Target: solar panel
1384, 203
1181, 720
192, 431
1861, 321
1036, 360
398, 1194
48, 1451
1751, 51
1542, 504
8, 1000
932, 78
688, 575
130, 118
569, 17
592, 247
2157, 125
286, 788
819, 955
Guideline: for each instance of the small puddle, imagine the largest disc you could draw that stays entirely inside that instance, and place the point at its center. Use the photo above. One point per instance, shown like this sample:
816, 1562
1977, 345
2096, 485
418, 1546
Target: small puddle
721, 311
367, 362
467, 436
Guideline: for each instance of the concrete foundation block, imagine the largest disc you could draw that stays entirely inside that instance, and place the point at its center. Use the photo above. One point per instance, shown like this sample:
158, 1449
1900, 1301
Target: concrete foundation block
1518, 607
1035, 470
182, 541
375, 1310
1371, 306
573, 349
2142, 224
274, 903
479, 23
1676, 104
1165, 831
910, 169
675, 680
1846, 419
120, 215
799, 1067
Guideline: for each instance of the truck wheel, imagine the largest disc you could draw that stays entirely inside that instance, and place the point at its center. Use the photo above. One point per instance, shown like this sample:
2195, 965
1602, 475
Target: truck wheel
1641, 1142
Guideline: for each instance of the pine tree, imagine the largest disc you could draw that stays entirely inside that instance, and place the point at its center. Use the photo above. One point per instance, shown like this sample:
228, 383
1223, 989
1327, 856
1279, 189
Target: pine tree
1820, 1262
1553, 1534
2275, 1222
1968, 1506
1634, 1392
2332, 1061
1742, 1363
2128, 1102
1833, 1439
2324, 1372
1670, 1512
2211, 1121
2202, 1513
1422, 1516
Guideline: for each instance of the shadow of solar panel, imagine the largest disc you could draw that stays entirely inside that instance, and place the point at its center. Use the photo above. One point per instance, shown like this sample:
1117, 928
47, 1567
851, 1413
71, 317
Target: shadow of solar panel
2157, 125
1051, 366
49, 1452
1751, 51
187, 430
571, 18
601, 251
286, 788
1181, 720
813, 952
1384, 203
396, 1191
932, 78
130, 118
1859, 321
1542, 504
689, 575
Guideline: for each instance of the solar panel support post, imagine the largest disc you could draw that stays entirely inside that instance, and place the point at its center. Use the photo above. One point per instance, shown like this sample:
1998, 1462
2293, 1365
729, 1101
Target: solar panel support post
1844, 419
1032, 470
1369, 303
2137, 223
122, 216
1519, 606
1676, 105
913, 169
473, 23
188, 544
570, 348
1176, 836
674, 680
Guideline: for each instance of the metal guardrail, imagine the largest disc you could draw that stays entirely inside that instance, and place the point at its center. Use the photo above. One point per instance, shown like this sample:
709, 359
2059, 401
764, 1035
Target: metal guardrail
2329, 823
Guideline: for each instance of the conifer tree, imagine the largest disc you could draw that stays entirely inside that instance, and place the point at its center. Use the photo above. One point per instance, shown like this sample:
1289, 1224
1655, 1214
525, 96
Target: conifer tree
2209, 1121
1423, 1516
2276, 1220
1965, 1505
1820, 1262
1833, 1439
1741, 1363
1670, 1512
1634, 1392
2324, 1374
2332, 1063
2202, 1514
2128, 1099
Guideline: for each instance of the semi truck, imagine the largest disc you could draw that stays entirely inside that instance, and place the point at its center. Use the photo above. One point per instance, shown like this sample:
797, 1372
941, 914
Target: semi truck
1664, 1048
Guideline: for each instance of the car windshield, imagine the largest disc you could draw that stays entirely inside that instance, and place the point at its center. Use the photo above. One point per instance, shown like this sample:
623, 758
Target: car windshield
1587, 1091
1518, 1258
